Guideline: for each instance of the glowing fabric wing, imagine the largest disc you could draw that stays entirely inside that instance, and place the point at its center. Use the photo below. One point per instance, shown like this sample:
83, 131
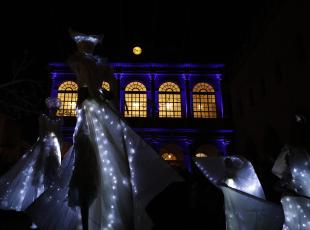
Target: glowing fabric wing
245, 178
247, 212
297, 212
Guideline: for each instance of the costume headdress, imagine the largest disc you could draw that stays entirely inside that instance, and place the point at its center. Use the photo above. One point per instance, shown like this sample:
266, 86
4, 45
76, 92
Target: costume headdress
80, 37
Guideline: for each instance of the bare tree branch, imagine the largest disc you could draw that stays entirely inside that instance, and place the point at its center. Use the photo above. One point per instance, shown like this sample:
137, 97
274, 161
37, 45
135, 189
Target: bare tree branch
24, 64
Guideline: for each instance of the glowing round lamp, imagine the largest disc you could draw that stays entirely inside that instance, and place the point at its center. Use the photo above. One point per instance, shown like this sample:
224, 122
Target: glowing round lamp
137, 50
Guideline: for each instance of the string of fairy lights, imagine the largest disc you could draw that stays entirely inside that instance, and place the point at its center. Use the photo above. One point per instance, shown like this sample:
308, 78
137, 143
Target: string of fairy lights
97, 117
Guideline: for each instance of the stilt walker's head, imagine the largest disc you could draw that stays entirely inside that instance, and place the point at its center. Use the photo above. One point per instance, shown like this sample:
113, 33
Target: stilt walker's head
85, 43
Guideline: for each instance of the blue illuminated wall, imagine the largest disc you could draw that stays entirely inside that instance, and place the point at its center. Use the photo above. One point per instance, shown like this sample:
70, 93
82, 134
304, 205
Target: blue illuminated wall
181, 136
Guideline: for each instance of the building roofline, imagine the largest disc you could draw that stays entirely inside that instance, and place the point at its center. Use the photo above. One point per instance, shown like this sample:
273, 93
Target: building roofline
151, 65
156, 68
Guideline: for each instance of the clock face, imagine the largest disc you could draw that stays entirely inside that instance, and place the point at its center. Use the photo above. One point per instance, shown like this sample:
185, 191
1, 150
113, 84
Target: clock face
137, 50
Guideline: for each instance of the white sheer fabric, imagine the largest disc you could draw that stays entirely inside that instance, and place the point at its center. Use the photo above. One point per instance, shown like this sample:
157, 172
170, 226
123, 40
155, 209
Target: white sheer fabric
293, 168
35, 171
297, 166
51, 210
241, 176
128, 174
245, 204
297, 212
246, 212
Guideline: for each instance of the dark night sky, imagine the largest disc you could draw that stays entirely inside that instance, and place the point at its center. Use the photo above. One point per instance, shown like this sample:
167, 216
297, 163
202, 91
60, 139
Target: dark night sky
177, 32
205, 31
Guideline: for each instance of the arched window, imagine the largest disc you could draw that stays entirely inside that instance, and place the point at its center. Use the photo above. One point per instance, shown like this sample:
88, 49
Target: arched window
204, 104
206, 150
169, 157
200, 155
135, 100
173, 154
67, 93
169, 99
106, 85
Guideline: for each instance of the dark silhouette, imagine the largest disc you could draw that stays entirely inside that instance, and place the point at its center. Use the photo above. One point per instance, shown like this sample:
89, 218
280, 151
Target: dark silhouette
192, 204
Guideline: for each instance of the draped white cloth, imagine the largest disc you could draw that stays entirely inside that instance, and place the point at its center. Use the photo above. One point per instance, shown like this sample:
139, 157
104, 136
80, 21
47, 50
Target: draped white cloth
297, 212
246, 212
293, 168
240, 176
51, 210
294, 162
35, 171
112, 165
245, 204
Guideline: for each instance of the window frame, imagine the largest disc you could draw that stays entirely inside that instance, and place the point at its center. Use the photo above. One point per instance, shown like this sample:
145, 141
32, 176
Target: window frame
142, 94
164, 97
204, 97
63, 94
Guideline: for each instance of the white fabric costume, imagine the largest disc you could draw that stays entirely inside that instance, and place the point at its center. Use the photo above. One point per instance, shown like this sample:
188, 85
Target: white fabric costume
245, 204
35, 171
293, 168
109, 165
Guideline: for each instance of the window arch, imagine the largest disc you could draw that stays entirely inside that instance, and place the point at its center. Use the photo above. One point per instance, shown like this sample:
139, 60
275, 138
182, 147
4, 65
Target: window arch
169, 157
169, 99
200, 155
204, 103
106, 85
206, 150
67, 93
135, 100
173, 154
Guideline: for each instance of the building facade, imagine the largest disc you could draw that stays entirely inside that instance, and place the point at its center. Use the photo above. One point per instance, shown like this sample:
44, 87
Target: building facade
176, 108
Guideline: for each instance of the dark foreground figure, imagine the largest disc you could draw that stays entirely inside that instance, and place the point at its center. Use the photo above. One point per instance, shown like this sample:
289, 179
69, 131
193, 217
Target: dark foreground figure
192, 204
12, 220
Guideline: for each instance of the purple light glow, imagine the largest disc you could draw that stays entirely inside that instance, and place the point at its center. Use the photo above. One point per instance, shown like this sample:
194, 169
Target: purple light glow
183, 130
186, 75
170, 65
152, 65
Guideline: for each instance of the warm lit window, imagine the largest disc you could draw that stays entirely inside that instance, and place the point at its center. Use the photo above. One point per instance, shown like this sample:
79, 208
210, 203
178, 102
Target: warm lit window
135, 100
204, 104
200, 155
169, 157
67, 93
169, 99
106, 86
206, 150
